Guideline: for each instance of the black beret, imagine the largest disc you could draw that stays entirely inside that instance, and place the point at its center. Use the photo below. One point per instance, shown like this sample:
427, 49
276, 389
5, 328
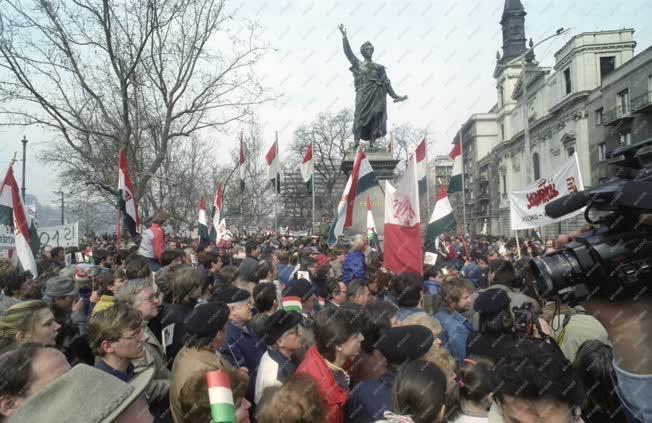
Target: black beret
301, 288
279, 323
405, 343
207, 319
491, 301
231, 294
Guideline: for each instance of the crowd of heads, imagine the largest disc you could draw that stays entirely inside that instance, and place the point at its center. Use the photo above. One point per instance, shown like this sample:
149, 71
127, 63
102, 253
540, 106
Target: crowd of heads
303, 333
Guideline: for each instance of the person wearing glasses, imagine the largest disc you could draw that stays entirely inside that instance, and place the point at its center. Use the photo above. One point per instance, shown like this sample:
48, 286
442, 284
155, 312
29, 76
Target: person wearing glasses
117, 336
142, 296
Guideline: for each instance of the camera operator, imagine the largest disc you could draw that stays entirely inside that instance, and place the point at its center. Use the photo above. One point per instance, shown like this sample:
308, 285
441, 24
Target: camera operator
628, 322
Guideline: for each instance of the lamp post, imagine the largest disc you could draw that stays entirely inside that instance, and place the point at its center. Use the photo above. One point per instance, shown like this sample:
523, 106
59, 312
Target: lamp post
22, 189
526, 123
61, 193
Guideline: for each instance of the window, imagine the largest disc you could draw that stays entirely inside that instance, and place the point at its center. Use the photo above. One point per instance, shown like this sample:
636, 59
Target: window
535, 165
598, 116
623, 102
570, 151
504, 183
567, 79
625, 138
607, 65
502, 131
602, 152
501, 95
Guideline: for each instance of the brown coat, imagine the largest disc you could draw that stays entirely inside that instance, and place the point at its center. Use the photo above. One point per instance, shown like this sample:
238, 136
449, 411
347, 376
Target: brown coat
154, 357
186, 364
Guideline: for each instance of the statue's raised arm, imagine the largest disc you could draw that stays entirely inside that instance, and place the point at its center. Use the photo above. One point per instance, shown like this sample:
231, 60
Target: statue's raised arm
347, 47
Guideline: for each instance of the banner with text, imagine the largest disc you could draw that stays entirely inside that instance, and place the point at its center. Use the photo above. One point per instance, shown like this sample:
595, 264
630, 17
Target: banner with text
60, 236
527, 206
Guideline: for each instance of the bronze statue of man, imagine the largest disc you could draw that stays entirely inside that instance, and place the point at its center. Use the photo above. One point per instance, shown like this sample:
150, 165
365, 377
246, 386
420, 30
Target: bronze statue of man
371, 88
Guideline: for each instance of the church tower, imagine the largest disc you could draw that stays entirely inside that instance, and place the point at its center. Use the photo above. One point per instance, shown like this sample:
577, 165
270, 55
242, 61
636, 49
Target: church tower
513, 24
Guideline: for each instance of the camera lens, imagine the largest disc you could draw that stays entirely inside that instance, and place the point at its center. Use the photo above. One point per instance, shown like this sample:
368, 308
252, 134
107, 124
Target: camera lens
555, 271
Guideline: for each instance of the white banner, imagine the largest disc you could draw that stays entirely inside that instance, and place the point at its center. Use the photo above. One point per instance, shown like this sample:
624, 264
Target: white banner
527, 206
59, 236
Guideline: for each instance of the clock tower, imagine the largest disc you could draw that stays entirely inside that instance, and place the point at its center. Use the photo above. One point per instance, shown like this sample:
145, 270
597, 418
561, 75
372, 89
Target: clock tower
513, 23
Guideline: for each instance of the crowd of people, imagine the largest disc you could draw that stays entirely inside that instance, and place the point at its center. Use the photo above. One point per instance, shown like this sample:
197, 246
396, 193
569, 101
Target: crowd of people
305, 333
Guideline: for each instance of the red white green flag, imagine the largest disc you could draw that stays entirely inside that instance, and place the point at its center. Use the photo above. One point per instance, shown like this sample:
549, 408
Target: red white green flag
220, 397
308, 169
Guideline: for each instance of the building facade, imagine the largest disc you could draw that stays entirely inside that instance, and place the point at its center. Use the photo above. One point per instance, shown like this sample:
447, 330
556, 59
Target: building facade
439, 171
592, 71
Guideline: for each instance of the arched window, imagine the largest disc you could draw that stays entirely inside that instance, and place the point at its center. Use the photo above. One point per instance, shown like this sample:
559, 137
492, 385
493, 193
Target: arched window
535, 166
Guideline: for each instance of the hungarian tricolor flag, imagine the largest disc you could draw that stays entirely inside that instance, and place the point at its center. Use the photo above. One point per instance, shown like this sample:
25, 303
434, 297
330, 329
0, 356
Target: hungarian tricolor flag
13, 217
372, 235
126, 197
422, 166
242, 165
455, 183
361, 180
403, 250
274, 169
220, 397
216, 214
292, 304
308, 168
441, 221
202, 222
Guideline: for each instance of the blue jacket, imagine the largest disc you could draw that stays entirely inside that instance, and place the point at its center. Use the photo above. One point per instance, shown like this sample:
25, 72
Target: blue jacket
405, 312
284, 273
354, 267
458, 329
243, 349
473, 273
370, 399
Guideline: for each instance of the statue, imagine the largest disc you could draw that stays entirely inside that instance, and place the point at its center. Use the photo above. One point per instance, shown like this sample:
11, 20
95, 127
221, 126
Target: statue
371, 89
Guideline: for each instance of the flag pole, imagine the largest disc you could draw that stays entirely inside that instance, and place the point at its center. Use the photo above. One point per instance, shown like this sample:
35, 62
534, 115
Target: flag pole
427, 178
312, 182
463, 185
277, 183
241, 190
117, 230
518, 246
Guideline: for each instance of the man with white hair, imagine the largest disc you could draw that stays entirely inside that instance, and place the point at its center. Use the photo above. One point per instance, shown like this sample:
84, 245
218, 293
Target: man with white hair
141, 295
354, 266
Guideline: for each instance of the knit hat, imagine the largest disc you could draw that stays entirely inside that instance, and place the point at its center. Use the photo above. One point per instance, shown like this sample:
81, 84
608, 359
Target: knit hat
279, 323
405, 343
59, 286
83, 394
491, 301
231, 295
207, 319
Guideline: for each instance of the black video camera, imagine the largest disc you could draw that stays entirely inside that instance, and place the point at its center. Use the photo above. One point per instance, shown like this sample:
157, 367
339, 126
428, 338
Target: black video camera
615, 258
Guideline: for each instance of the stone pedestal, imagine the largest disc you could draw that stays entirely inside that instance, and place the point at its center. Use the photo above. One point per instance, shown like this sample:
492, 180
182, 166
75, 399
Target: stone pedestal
381, 161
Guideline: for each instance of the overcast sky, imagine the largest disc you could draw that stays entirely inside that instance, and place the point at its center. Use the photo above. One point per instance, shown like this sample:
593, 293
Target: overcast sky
440, 53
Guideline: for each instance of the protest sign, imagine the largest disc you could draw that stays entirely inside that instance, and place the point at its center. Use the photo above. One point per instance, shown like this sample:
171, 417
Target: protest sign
60, 236
527, 206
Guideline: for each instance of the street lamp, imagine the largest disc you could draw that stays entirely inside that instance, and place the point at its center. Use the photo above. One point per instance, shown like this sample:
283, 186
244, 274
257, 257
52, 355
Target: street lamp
61, 193
526, 123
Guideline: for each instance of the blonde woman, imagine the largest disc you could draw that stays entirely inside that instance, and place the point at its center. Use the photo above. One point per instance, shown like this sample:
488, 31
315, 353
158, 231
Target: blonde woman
29, 321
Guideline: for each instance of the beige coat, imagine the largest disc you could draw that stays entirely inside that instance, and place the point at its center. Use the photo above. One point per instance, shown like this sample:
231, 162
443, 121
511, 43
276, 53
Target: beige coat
188, 362
154, 357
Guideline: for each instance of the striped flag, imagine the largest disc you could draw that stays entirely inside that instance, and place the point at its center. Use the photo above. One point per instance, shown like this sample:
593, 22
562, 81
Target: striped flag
220, 397
202, 221
126, 198
292, 304
403, 245
361, 180
13, 217
441, 221
372, 235
307, 169
272, 161
455, 183
422, 166
242, 165
216, 214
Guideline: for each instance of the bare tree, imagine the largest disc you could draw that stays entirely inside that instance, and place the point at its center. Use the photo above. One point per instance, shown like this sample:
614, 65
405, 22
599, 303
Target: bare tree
142, 75
331, 136
405, 140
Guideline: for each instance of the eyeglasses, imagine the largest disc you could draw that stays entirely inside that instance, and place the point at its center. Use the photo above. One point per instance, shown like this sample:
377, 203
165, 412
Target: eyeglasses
138, 334
154, 298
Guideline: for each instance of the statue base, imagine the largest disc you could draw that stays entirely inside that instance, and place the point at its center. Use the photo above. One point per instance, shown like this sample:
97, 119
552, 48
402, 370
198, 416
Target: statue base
382, 162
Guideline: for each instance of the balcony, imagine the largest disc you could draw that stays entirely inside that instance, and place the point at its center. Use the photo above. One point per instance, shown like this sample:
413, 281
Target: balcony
618, 116
642, 103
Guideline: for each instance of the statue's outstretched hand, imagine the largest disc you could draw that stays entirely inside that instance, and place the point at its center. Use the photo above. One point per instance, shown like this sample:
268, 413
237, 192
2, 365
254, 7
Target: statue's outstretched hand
342, 30
400, 98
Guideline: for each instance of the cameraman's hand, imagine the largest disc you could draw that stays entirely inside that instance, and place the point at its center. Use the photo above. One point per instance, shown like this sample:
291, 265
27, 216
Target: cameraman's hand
570, 237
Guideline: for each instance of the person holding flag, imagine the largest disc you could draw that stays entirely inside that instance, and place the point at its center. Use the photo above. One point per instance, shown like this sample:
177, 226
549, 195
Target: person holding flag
12, 215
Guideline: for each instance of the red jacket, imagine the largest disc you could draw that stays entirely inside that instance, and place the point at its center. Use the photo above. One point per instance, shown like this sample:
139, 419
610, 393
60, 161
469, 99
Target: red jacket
335, 397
